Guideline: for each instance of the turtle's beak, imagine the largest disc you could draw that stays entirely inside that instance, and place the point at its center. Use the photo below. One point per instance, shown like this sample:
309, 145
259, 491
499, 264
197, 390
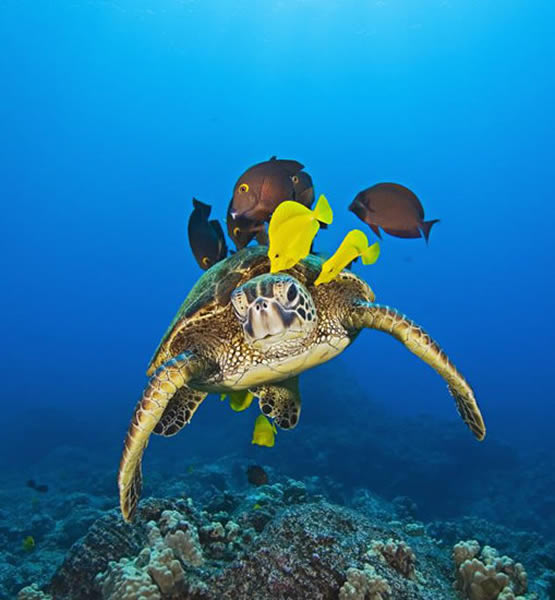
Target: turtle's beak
267, 318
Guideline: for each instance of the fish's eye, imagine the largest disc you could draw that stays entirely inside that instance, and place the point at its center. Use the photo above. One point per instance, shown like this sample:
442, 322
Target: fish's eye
295, 179
244, 187
236, 231
205, 261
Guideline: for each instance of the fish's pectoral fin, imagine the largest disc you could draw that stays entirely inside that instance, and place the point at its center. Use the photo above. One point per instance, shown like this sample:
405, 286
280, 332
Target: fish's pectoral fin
281, 402
220, 236
376, 230
160, 389
216, 226
179, 411
414, 338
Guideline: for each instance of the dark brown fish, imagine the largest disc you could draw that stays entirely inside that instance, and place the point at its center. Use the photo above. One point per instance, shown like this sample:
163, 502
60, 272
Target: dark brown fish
393, 208
257, 475
206, 238
262, 187
304, 188
242, 230
38, 487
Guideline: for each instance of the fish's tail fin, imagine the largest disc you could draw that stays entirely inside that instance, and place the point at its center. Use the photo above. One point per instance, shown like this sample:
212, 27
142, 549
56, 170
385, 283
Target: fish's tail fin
427, 226
322, 211
203, 208
371, 254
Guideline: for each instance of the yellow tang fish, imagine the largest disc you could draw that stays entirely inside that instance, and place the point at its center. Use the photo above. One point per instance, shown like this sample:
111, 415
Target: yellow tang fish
355, 244
239, 400
264, 432
292, 229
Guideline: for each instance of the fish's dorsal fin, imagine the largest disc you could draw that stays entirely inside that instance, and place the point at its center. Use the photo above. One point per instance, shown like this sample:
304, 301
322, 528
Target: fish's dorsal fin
356, 238
285, 211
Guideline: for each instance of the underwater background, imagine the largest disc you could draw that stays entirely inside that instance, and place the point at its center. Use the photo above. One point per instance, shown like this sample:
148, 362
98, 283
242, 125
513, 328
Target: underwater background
113, 114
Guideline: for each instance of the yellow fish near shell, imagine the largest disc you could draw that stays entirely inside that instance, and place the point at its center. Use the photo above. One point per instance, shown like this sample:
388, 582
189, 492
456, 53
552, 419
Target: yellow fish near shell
354, 244
292, 229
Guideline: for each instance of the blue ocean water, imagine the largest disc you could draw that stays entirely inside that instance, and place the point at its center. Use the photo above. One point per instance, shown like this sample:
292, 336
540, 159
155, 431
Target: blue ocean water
113, 114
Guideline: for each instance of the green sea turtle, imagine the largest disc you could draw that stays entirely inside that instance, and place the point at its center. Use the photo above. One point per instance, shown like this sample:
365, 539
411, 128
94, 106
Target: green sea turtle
241, 328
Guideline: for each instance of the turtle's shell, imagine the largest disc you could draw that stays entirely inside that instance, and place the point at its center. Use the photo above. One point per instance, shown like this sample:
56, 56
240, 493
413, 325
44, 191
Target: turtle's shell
212, 292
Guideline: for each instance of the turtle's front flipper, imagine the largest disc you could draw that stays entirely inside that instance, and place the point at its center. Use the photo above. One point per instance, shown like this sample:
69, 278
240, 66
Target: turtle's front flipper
179, 411
383, 318
161, 388
280, 401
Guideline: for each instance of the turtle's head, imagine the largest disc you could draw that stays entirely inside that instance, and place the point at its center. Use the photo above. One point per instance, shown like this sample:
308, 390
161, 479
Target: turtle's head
276, 312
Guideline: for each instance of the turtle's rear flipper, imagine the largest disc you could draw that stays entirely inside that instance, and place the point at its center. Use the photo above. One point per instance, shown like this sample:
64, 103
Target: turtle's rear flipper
281, 402
383, 318
161, 388
179, 411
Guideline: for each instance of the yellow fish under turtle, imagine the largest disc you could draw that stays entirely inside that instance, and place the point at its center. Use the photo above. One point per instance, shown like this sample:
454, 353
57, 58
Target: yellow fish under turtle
354, 244
291, 231
239, 400
264, 432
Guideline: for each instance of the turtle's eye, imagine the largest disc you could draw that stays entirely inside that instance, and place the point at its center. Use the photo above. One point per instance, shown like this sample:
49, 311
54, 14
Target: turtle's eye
240, 303
244, 187
292, 292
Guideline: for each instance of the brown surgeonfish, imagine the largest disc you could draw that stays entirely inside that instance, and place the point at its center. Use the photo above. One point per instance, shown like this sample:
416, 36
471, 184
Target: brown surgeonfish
206, 238
262, 187
242, 230
304, 188
257, 475
393, 208
259, 191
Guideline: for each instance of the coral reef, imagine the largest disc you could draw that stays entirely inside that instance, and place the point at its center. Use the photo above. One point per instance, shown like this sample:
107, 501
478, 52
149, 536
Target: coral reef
306, 549
397, 554
231, 540
32, 592
364, 584
158, 570
487, 576
127, 580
